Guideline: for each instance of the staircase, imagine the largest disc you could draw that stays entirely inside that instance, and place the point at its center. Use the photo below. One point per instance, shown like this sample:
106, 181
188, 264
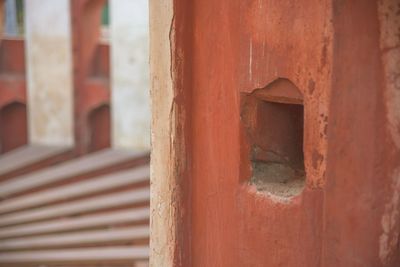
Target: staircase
87, 211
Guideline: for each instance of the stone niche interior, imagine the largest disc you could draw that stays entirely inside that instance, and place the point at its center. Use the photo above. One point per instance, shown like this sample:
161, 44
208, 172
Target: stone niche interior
273, 119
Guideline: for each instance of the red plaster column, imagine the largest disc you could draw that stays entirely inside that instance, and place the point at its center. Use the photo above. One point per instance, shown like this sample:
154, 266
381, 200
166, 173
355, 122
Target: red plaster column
91, 73
275, 133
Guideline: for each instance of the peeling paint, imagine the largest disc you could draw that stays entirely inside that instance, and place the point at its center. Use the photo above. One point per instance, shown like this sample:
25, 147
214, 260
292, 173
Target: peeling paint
389, 239
162, 221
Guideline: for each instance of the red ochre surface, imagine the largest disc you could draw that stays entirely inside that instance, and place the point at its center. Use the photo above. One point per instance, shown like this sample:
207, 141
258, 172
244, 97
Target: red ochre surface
13, 117
331, 53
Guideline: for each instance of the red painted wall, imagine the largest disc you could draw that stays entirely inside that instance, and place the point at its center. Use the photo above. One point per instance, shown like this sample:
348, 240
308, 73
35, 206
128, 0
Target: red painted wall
91, 72
331, 52
13, 116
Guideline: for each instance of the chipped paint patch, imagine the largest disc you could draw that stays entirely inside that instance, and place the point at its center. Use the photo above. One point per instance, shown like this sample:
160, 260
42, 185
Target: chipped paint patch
389, 239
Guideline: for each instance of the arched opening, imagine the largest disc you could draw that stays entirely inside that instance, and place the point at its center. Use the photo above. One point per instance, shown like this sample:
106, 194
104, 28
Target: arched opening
13, 130
99, 125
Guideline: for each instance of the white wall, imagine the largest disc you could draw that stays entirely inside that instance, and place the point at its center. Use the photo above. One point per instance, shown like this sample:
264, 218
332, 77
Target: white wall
129, 35
49, 69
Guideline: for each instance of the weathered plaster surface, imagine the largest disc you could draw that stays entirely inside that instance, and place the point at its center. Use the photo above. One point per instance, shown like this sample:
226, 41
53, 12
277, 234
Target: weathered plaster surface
389, 19
162, 221
348, 212
130, 74
49, 69
277, 44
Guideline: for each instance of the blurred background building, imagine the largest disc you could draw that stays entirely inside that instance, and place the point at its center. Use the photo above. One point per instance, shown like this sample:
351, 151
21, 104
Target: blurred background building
74, 133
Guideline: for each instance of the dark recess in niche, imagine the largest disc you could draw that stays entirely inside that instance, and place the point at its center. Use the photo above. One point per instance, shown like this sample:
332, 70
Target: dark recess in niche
273, 118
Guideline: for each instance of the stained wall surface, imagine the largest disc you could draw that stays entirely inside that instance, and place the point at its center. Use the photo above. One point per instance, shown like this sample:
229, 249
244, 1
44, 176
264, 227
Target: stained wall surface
49, 82
341, 57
